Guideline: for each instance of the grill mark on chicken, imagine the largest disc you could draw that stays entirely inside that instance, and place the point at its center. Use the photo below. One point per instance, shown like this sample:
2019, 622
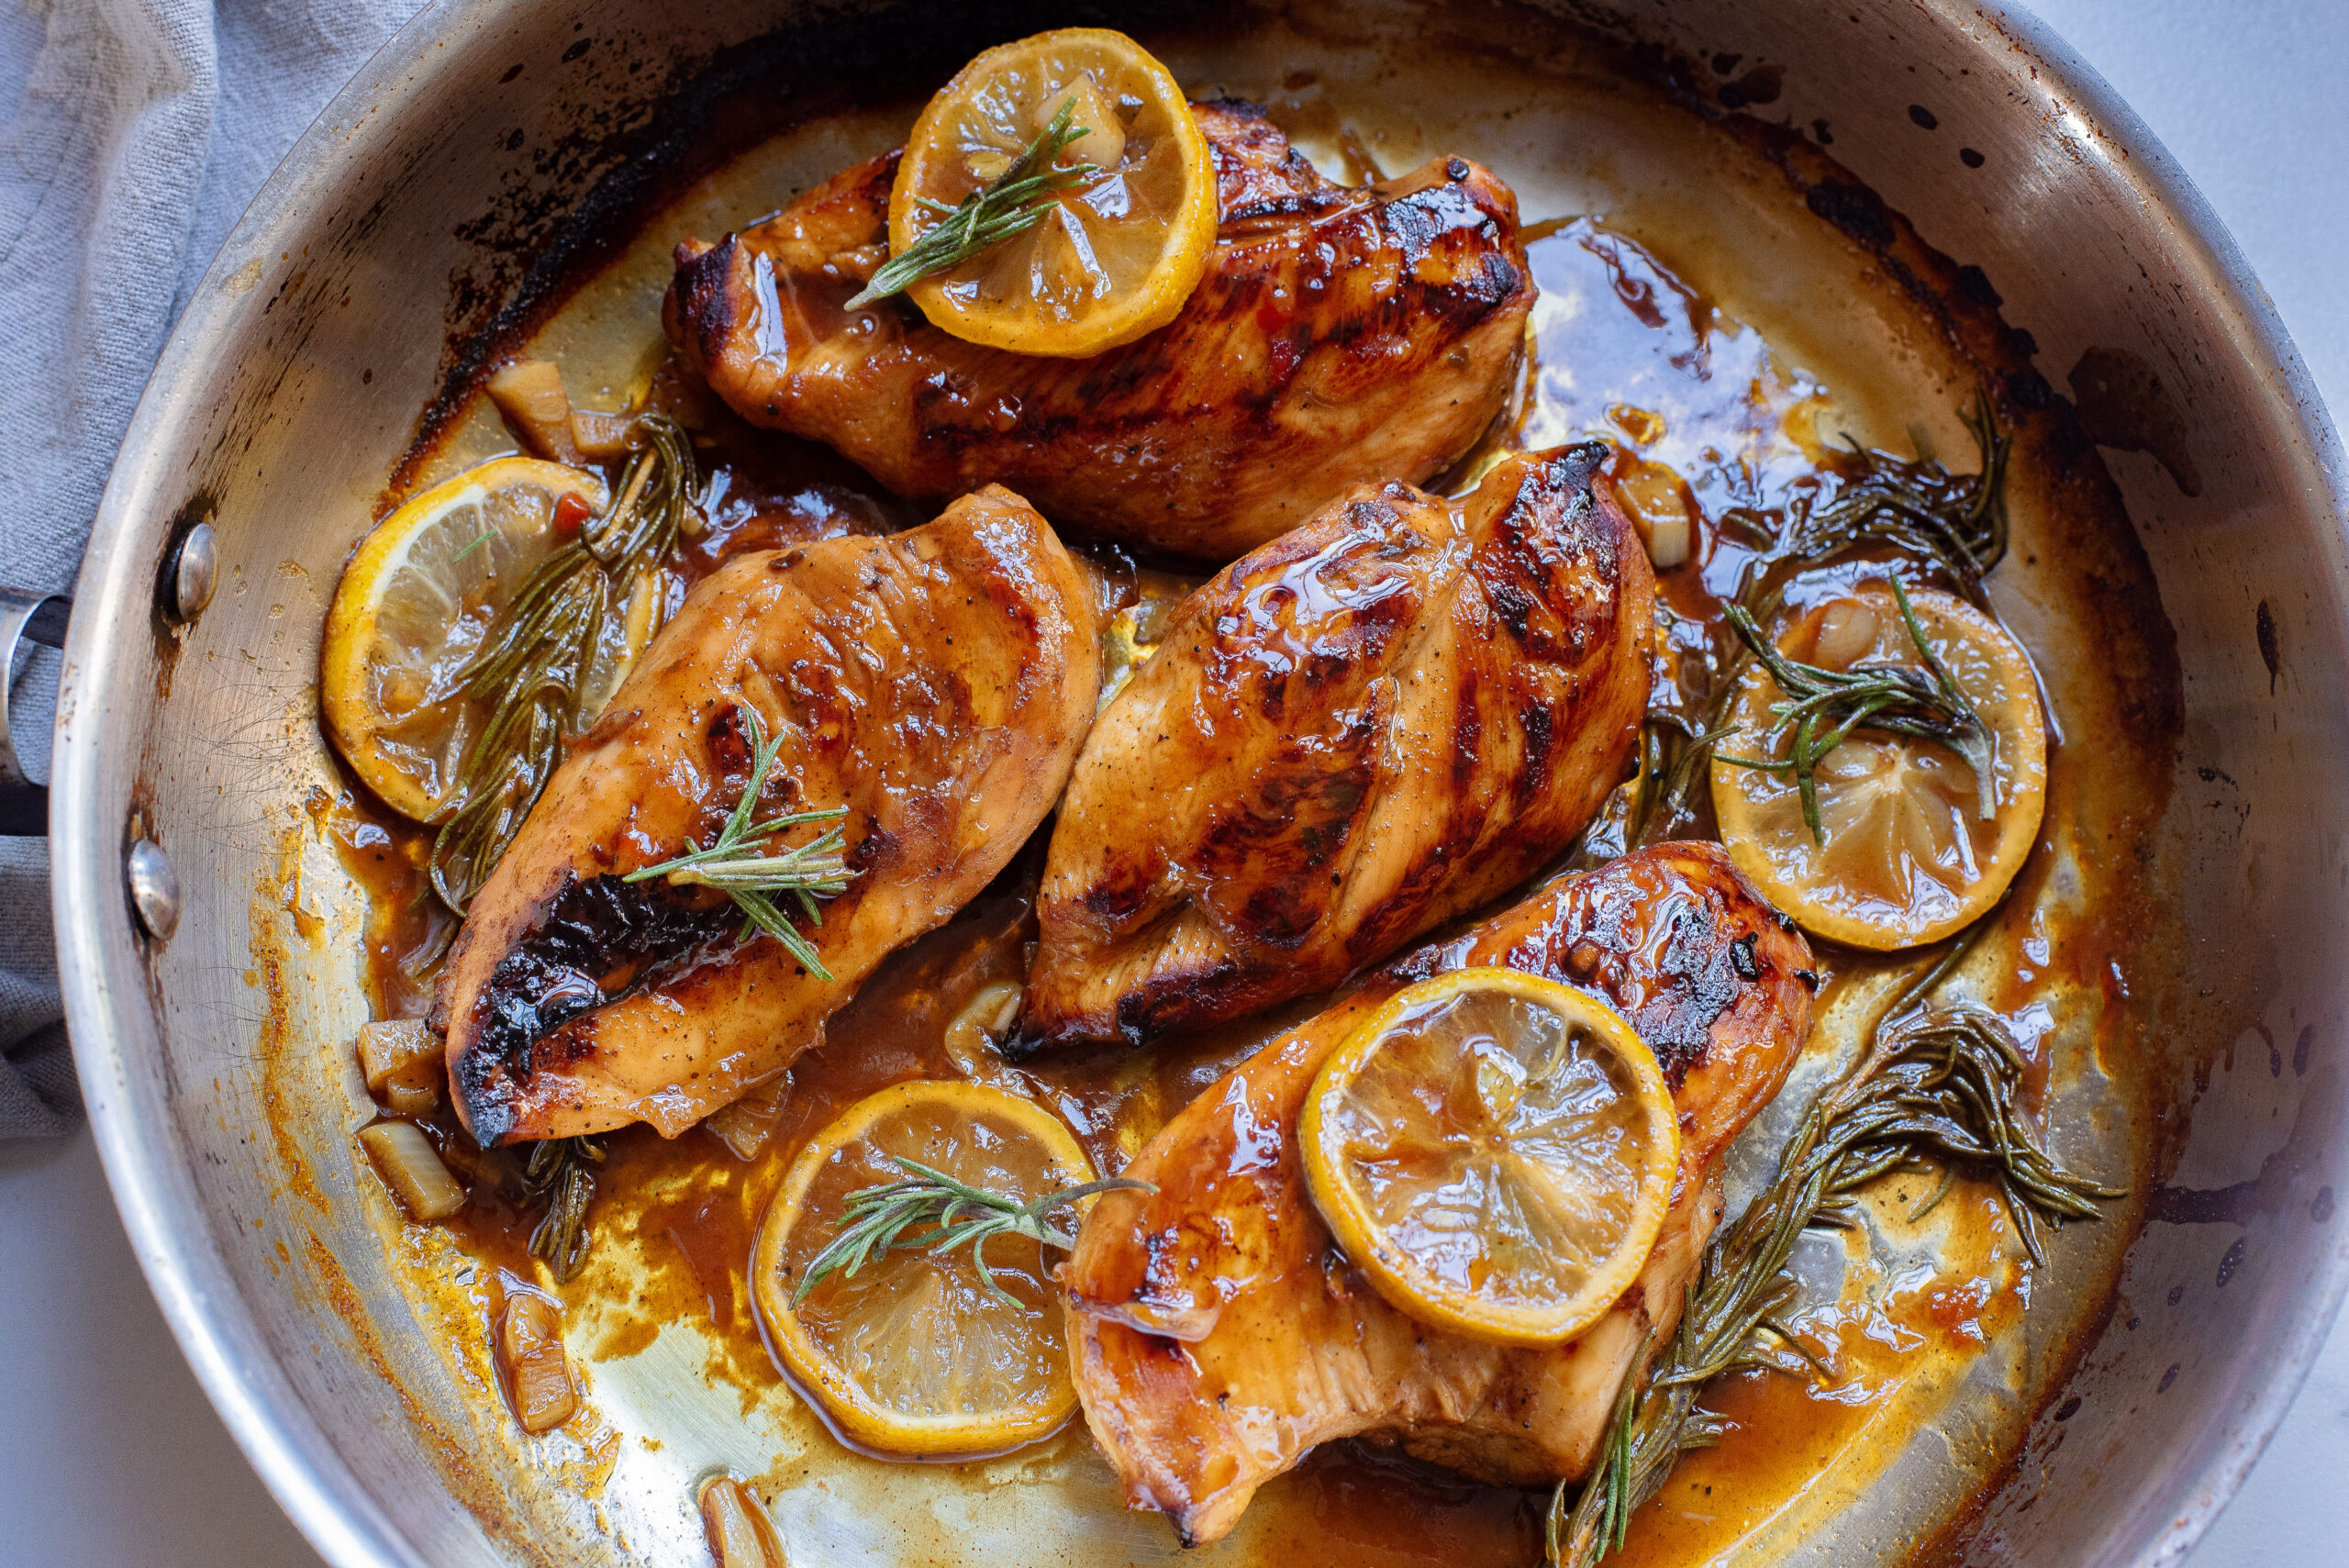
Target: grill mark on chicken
1373, 724
1338, 333
936, 683
1220, 1333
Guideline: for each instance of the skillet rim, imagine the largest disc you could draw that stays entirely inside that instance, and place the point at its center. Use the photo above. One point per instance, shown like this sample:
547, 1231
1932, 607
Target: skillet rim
104, 977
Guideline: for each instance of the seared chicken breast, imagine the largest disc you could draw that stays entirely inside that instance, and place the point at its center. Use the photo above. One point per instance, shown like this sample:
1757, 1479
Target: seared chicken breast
1219, 1333
1377, 722
937, 683
1339, 334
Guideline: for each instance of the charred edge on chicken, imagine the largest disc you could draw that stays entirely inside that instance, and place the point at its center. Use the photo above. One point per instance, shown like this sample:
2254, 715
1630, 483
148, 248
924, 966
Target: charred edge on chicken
600, 938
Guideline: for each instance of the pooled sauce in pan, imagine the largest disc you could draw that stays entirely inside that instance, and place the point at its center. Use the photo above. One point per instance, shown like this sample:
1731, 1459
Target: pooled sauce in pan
1646, 333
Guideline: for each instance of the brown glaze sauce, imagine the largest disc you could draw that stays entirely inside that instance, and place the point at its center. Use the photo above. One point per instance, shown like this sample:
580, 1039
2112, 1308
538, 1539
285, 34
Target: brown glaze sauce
1702, 417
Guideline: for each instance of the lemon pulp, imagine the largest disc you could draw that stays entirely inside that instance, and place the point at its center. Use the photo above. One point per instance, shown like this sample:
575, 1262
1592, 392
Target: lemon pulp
1496, 1151
912, 1354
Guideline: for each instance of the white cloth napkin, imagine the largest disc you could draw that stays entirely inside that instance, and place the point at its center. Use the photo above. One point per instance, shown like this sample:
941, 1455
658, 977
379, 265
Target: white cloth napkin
135, 131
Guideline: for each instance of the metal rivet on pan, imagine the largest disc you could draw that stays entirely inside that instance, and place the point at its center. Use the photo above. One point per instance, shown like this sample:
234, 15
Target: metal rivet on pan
195, 574
154, 889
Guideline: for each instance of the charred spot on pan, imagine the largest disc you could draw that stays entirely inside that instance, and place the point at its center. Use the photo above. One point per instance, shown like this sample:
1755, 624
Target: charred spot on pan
2029, 389
2123, 403
1973, 285
1760, 85
1856, 210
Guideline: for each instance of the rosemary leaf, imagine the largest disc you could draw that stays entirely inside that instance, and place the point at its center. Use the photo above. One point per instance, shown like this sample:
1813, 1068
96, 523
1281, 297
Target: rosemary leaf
1824, 708
536, 661
876, 1220
749, 868
560, 1170
1953, 527
1012, 203
1954, 524
1937, 1084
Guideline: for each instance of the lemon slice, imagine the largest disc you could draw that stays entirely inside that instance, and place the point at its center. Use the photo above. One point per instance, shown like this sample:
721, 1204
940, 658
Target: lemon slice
1908, 858
911, 1354
415, 601
1496, 1151
1115, 257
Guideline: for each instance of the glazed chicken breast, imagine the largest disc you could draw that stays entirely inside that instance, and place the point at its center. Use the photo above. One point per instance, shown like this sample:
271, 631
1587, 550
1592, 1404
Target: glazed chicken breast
1218, 1334
1375, 723
937, 683
1339, 334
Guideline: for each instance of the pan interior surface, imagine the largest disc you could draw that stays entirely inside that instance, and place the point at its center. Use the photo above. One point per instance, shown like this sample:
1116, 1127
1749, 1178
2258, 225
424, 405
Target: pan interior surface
345, 1349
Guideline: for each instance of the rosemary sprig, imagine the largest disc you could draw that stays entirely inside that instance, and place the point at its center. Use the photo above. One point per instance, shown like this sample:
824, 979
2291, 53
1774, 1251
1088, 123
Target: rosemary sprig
538, 659
1951, 525
877, 1219
1012, 203
1823, 707
1955, 522
1937, 1084
562, 1169
746, 866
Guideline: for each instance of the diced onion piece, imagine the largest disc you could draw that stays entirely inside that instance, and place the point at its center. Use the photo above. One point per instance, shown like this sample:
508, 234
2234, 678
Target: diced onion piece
402, 1060
602, 438
970, 1039
1103, 145
1659, 505
529, 394
538, 1373
406, 1159
741, 1533
1847, 633
745, 1125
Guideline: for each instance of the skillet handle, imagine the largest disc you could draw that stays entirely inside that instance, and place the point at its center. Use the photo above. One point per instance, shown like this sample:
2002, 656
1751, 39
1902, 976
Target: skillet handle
24, 805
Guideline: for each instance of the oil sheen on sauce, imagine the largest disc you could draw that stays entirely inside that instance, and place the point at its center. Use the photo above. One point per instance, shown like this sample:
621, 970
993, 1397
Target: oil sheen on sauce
1901, 1314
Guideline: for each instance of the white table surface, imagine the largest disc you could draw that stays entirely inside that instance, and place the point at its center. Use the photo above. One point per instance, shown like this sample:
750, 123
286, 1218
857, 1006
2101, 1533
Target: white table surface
110, 1455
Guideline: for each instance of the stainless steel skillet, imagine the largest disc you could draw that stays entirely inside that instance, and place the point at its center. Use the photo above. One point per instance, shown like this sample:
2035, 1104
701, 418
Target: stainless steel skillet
290, 390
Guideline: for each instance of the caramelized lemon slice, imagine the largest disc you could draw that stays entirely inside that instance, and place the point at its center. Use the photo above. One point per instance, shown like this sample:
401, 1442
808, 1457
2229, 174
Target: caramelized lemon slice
1907, 857
1496, 1151
911, 1354
1114, 258
415, 601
